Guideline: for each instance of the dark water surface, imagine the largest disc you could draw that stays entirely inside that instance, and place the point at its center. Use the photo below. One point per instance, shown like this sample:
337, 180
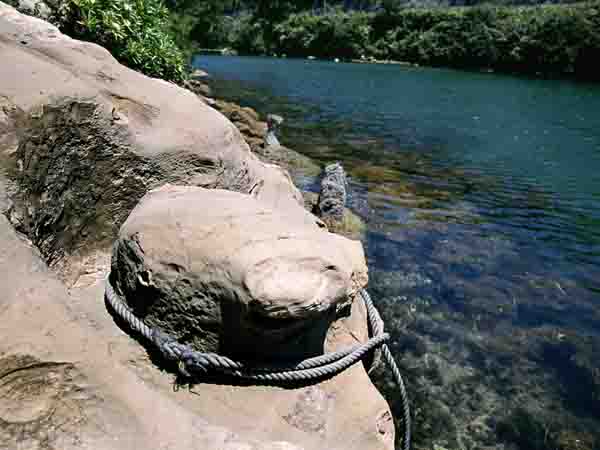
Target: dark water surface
482, 199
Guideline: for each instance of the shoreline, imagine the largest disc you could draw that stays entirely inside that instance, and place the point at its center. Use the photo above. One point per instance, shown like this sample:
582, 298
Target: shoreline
390, 62
414, 290
303, 169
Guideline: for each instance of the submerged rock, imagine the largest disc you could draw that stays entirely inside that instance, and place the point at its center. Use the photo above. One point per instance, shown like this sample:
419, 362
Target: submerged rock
352, 225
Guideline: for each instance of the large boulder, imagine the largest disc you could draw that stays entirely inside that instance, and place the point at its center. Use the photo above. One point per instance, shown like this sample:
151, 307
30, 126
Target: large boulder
224, 272
86, 138
71, 379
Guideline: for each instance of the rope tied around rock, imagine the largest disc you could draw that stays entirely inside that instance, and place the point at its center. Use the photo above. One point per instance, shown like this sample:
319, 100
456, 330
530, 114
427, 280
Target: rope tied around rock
193, 363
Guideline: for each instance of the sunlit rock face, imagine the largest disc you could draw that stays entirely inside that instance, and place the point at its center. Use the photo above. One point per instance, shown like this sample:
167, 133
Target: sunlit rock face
226, 272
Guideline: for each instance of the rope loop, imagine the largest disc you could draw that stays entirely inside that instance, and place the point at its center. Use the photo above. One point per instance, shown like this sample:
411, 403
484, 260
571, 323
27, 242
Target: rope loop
192, 363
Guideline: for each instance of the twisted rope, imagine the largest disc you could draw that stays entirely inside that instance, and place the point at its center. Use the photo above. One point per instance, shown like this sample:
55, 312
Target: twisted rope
193, 363
377, 328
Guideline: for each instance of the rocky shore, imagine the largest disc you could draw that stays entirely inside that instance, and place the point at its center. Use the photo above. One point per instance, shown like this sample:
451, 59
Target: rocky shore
82, 141
253, 128
302, 168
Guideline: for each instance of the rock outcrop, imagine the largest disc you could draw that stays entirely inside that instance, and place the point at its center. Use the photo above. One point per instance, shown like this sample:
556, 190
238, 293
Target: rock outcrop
234, 276
330, 204
333, 196
261, 136
246, 120
88, 137
273, 123
82, 140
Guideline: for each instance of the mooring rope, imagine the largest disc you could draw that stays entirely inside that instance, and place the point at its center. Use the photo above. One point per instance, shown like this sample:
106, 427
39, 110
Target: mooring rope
191, 362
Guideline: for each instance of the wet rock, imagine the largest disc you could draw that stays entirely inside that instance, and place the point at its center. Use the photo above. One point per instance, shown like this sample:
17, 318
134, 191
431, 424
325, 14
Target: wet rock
36, 8
351, 226
247, 121
261, 136
199, 74
273, 123
198, 87
332, 198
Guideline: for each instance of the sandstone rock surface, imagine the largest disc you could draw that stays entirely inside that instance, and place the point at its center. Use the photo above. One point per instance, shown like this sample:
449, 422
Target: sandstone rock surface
82, 139
224, 272
88, 137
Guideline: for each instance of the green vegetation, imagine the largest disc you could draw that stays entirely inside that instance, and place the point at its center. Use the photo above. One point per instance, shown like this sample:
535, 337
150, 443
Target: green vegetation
136, 32
343, 35
544, 39
149, 35
531, 431
549, 39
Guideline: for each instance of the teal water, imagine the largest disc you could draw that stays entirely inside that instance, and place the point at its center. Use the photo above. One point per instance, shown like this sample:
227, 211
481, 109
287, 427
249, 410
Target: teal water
482, 198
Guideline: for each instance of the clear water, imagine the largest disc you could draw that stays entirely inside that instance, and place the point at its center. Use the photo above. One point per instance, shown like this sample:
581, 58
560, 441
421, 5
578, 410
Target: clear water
482, 198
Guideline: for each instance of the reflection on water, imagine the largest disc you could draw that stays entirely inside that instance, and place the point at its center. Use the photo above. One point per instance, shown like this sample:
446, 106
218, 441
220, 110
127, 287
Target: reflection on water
482, 198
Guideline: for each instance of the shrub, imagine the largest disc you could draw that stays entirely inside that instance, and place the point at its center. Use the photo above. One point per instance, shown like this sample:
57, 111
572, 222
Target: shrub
136, 32
248, 38
547, 39
343, 35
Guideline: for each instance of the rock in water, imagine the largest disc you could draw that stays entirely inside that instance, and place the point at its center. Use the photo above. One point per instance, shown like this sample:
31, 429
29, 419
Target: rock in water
247, 122
198, 87
332, 198
273, 123
225, 273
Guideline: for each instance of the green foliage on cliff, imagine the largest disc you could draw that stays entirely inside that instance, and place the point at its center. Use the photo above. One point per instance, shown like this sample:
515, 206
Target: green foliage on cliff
343, 35
136, 32
548, 39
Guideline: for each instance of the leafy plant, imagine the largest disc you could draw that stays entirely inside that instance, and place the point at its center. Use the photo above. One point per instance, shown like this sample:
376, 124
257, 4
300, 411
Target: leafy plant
136, 32
544, 39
